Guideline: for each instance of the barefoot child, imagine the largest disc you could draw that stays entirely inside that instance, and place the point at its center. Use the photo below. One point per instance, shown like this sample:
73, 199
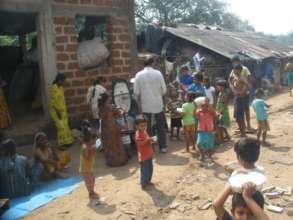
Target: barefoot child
247, 205
205, 135
87, 158
259, 107
188, 121
223, 110
145, 152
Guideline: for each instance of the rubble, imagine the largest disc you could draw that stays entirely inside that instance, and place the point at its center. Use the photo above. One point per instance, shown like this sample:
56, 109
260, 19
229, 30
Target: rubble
275, 209
206, 205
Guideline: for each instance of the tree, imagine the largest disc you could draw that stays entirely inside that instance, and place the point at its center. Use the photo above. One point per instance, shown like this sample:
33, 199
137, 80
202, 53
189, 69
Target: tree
209, 12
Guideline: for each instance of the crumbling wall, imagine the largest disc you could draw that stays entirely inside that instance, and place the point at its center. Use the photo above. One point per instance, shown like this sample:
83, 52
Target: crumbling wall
120, 63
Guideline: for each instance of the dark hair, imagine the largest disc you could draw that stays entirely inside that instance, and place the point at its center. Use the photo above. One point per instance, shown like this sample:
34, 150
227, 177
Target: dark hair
259, 93
247, 149
222, 82
98, 81
149, 61
191, 97
140, 120
59, 78
184, 68
86, 130
198, 76
9, 147
238, 201
236, 59
103, 99
238, 67
207, 79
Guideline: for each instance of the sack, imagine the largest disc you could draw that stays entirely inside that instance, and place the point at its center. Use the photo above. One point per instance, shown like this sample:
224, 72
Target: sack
91, 53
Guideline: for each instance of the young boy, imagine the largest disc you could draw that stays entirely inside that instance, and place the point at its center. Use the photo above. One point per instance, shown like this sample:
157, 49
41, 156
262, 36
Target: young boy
188, 121
247, 205
145, 152
259, 107
196, 86
210, 91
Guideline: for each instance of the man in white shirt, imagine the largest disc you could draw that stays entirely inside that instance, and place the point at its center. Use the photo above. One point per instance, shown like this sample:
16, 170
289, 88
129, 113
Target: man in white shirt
150, 87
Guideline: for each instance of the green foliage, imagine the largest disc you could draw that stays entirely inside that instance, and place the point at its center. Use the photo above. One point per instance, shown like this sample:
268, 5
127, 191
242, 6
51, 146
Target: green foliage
209, 12
9, 41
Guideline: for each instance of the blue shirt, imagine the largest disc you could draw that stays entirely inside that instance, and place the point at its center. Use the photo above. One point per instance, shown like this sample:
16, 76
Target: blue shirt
259, 108
186, 80
196, 88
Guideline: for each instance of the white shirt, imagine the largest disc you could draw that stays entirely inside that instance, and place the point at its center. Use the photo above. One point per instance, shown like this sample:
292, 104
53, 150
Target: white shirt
150, 87
93, 100
210, 94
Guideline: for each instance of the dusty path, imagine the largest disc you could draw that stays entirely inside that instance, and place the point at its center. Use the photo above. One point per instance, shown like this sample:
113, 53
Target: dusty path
178, 179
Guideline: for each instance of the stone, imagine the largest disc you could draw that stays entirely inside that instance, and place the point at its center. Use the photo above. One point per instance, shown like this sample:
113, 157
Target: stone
196, 197
206, 205
275, 209
174, 205
268, 189
282, 160
289, 211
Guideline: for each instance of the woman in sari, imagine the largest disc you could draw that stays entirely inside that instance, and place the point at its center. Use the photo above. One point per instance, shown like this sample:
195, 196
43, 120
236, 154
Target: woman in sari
59, 112
5, 119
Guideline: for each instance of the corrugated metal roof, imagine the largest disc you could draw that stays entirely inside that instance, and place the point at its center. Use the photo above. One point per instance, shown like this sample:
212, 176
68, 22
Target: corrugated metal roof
247, 44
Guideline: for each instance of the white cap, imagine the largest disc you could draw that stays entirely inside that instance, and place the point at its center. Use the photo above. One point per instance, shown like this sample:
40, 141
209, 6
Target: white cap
132, 80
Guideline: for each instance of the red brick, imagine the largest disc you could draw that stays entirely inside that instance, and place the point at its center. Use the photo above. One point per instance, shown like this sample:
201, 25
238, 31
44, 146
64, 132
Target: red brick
99, 2
59, 48
70, 21
60, 20
126, 55
83, 108
117, 70
80, 73
73, 39
77, 83
67, 84
69, 75
69, 92
82, 91
127, 46
112, 38
127, 62
69, 30
73, 66
73, 56
89, 81
61, 66
62, 57
58, 30
126, 69
115, 53
123, 37
85, 2
78, 100
61, 39
117, 62
71, 48
72, 110
116, 46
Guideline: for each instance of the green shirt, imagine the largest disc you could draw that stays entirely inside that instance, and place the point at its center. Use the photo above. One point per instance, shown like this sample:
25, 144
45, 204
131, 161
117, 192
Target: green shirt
188, 110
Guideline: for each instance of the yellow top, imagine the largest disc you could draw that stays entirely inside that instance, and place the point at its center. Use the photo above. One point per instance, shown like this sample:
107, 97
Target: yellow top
87, 159
244, 75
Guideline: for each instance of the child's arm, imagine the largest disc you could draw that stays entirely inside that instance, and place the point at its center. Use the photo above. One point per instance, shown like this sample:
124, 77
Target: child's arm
219, 202
267, 106
258, 212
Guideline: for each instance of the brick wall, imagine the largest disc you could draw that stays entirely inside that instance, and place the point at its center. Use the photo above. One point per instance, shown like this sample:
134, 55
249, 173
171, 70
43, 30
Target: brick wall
78, 81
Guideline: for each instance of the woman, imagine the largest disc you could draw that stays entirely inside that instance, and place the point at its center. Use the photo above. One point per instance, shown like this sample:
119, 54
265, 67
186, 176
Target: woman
5, 119
59, 112
45, 155
289, 75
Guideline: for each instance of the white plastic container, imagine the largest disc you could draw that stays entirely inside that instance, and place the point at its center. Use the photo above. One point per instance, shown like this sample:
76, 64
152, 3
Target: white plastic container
200, 101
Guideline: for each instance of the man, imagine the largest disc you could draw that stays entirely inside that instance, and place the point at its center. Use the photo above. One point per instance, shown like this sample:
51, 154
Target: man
150, 87
185, 81
244, 76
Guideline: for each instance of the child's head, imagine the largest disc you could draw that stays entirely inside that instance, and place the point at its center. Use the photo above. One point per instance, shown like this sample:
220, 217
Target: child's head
190, 97
184, 70
41, 140
141, 124
237, 69
240, 211
221, 85
88, 136
100, 81
247, 151
8, 147
198, 78
205, 106
207, 82
259, 93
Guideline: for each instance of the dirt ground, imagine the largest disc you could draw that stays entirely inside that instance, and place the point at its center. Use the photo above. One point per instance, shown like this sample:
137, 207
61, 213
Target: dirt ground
178, 177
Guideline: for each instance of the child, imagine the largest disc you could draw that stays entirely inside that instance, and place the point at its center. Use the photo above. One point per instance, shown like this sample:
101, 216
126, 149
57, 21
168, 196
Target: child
223, 110
94, 95
188, 121
197, 86
247, 205
205, 135
259, 107
210, 91
145, 152
173, 104
87, 158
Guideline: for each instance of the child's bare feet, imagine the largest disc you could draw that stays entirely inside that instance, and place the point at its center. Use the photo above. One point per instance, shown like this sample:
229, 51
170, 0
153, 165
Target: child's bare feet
94, 195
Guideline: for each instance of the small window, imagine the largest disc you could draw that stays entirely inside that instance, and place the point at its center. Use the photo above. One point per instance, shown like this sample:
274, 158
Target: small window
91, 34
9, 41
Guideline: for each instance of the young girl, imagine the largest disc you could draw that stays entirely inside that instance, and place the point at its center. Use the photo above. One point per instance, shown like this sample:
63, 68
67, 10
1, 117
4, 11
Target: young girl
87, 158
188, 121
95, 93
223, 110
205, 135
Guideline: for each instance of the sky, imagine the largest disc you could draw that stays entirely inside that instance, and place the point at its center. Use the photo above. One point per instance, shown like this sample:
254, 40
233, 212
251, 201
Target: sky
268, 16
